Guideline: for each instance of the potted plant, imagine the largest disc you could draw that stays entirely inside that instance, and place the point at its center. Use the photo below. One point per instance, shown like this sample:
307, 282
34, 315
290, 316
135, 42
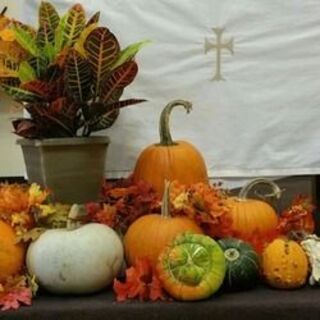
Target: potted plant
69, 76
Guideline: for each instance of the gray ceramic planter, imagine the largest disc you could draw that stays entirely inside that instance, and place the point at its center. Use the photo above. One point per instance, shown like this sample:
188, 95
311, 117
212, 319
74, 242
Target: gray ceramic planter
73, 168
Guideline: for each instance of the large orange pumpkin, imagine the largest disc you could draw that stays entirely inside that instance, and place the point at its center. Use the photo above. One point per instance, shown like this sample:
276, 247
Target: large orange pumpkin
171, 160
11, 254
250, 216
149, 234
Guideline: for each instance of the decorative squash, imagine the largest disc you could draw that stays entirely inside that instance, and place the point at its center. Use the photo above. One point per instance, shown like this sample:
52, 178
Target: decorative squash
76, 261
311, 246
148, 235
251, 216
284, 264
191, 267
242, 264
11, 254
171, 160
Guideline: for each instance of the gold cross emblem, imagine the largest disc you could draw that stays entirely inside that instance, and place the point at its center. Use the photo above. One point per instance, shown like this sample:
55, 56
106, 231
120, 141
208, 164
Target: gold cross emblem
218, 46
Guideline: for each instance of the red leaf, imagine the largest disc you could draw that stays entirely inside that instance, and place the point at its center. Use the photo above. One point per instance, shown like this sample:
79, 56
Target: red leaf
14, 293
141, 283
16, 297
156, 290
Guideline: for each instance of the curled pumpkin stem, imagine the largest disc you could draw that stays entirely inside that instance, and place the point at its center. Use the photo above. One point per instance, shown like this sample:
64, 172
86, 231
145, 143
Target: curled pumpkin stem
164, 129
276, 191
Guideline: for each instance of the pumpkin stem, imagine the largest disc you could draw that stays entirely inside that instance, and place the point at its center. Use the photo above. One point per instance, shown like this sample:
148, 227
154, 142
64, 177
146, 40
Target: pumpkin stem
276, 191
165, 206
165, 136
3, 11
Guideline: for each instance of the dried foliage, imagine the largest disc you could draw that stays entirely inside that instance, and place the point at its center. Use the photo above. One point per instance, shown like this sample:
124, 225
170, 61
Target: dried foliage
122, 203
205, 204
141, 283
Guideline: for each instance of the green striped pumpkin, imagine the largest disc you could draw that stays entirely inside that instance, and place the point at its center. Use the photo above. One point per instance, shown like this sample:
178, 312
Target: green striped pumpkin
191, 267
242, 264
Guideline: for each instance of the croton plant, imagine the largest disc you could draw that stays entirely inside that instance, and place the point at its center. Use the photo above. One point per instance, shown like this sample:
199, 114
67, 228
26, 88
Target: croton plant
69, 74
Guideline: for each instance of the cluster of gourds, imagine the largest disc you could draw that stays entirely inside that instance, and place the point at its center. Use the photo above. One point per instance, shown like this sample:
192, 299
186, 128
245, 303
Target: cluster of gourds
190, 265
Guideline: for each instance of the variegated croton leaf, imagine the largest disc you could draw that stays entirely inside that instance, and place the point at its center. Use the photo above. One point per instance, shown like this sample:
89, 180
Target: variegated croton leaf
102, 49
45, 90
78, 76
70, 27
26, 40
48, 16
105, 114
94, 19
118, 79
21, 95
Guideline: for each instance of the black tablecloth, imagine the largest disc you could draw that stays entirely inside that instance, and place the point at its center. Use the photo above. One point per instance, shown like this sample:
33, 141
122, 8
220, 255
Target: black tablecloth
258, 304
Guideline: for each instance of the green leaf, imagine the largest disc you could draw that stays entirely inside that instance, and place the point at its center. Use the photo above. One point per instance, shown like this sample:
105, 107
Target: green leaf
78, 76
26, 41
49, 52
119, 79
39, 65
59, 34
102, 49
20, 94
45, 36
26, 72
129, 52
70, 27
48, 16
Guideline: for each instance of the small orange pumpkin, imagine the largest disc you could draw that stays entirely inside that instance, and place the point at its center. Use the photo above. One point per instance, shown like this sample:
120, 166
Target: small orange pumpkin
11, 254
171, 160
250, 216
284, 264
148, 235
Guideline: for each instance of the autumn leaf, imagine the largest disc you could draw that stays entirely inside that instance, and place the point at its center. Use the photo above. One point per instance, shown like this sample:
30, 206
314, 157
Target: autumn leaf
122, 203
204, 204
30, 235
141, 283
298, 216
14, 293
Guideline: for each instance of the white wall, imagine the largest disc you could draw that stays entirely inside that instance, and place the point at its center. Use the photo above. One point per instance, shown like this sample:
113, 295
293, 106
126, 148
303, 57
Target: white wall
11, 161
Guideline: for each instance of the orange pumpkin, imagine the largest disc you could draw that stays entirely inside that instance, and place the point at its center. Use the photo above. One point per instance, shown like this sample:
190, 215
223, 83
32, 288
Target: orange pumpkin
11, 254
171, 160
251, 216
284, 264
148, 235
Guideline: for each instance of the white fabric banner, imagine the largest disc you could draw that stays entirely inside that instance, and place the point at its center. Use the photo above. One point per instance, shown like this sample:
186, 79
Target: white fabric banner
261, 120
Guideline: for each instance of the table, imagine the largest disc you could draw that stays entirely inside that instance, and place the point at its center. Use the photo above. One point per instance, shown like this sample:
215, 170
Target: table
258, 304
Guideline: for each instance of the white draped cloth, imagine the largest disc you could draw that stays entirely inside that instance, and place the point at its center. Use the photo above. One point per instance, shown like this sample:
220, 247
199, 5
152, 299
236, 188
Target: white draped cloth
261, 120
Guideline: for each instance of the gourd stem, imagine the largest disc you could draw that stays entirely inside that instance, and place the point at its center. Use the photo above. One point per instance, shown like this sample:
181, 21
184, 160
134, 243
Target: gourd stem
3, 11
74, 217
276, 191
165, 206
164, 128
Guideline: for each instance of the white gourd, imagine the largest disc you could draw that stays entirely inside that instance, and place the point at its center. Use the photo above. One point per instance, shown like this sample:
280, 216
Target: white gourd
84, 260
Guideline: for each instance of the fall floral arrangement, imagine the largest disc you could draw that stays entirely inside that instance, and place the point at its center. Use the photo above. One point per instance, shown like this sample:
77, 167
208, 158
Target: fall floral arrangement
28, 212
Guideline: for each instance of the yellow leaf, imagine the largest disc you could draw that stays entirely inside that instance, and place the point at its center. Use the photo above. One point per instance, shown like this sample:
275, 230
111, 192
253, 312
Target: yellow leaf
84, 34
36, 195
7, 35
